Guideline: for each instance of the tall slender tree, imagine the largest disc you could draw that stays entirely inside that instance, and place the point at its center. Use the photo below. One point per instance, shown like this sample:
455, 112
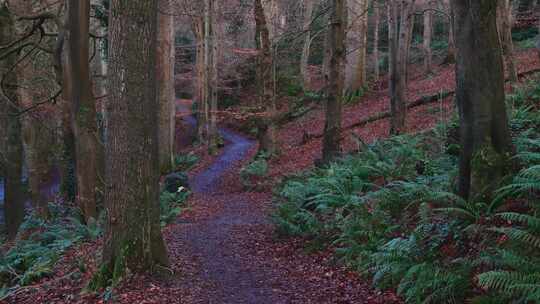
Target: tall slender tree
165, 79
211, 71
308, 13
504, 24
486, 145
265, 62
360, 79
428, 31
133, 239
399, 38
335, 80
376, 31
11, 147
83, 106
36, 135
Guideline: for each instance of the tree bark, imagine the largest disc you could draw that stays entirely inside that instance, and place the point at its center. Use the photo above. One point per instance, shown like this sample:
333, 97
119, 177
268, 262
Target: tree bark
11, 148
36, 139
68, 183
486, 145
99, 81
451, 55
200, 92
35, 143
304, 61
133, 239
265, 62
377, 17
428, 31
165, 80
335, 79
362, 28
212, 72
504, 24
409, 25
83, 107
399, 50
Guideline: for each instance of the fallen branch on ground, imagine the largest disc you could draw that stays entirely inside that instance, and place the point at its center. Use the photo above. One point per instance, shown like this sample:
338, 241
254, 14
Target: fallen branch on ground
419, 102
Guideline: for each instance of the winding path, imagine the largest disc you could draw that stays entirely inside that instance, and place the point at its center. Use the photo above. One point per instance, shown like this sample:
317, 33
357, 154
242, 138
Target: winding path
211, 240
225, 250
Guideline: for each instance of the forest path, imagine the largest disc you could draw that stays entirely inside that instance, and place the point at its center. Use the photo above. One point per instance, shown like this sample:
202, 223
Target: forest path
224, 248
209, 237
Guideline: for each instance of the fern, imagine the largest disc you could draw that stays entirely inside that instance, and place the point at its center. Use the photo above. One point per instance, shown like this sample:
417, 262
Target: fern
518, 273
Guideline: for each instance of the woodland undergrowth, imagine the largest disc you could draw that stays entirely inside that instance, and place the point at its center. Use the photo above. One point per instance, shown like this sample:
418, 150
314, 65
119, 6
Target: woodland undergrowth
41, 244
390, 212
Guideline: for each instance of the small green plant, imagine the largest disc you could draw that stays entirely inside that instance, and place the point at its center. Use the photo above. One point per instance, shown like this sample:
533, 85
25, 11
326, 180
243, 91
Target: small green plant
172, 204
354, 97
517, 273
252, 174
184, 162
390, 211
39, 246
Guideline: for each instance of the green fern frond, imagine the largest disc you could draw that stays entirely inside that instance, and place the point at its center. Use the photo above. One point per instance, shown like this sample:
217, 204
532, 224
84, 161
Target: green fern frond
529, 220
519, 235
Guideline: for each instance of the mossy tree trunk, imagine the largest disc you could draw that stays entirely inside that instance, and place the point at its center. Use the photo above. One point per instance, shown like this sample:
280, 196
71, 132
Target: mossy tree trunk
133, 239
83, 107
11, 148
485, 138
335, 81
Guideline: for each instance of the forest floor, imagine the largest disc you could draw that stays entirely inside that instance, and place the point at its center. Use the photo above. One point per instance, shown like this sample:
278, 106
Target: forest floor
223, 249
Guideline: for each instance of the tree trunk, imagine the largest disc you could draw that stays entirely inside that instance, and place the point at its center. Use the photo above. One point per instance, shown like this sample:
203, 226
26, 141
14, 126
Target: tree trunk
428, 31
304, 61
409, 25
362, 28
377, 17
11, 148
485, 137
165, 80
399, 45
504, 24
35, 136
200, 91
99, 70
133, 241
83, 107
36, 152
212, 72
68, 183
451, 55
266, 125
335, 80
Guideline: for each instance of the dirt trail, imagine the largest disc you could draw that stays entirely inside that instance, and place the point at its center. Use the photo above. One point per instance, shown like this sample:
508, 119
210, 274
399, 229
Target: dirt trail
227, 244
211, 240
222, 250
